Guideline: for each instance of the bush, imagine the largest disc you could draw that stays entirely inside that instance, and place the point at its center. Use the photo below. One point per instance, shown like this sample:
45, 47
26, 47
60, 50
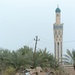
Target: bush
10, 71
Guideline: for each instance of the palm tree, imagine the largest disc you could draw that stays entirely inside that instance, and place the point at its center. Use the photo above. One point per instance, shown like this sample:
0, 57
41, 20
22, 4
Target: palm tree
25, 57
70, 58
43, 59
5, 57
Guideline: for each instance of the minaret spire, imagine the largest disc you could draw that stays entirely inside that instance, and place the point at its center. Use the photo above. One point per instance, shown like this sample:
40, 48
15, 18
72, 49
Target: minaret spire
57, 5
58, 36
57, 15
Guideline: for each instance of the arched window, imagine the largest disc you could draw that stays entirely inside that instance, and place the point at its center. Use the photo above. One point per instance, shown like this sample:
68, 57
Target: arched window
59, 32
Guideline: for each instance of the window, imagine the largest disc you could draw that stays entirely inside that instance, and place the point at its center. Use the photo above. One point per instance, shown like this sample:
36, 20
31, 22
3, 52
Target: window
57, 36
59, 32
57, 14
60, 36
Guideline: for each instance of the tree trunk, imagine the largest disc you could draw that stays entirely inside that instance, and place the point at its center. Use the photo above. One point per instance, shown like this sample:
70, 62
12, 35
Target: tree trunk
74, 67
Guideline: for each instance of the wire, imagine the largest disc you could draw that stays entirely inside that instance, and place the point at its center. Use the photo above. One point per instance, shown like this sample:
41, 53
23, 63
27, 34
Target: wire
31, 41
69, 41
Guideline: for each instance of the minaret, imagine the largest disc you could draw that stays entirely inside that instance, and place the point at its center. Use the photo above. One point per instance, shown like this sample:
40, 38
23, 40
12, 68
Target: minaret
58, 36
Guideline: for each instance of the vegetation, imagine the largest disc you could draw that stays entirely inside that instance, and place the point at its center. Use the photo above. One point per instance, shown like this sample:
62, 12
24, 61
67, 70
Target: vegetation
10, 71
26, 58
70, 58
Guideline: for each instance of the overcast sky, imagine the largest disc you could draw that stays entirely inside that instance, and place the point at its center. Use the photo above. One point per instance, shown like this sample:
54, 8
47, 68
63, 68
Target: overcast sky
22, 20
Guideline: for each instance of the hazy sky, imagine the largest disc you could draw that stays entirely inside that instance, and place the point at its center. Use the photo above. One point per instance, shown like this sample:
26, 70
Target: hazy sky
22, 20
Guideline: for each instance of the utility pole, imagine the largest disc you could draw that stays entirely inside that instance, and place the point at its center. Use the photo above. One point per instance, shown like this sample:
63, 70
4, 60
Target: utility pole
34, 54
36, 40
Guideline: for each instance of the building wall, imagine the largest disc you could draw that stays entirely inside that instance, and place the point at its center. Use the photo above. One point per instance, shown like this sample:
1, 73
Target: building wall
69, 69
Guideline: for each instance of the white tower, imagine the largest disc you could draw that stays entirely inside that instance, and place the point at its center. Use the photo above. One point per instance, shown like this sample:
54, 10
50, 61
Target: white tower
58, 36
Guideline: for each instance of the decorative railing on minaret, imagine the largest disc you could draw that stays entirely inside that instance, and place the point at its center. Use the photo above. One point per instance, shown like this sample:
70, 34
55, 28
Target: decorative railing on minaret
58, 36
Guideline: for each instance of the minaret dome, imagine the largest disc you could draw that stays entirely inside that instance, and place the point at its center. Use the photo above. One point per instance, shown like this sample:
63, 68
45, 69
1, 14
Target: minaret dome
57, 10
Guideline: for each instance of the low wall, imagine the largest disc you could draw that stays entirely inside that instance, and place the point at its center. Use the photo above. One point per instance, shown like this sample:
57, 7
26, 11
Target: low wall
69, 69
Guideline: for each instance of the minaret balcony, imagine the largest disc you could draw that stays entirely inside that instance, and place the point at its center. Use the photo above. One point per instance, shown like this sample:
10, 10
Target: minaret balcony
58, 27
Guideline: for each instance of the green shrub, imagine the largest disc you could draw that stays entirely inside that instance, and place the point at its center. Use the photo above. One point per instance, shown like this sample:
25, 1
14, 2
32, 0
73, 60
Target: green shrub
10, 71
